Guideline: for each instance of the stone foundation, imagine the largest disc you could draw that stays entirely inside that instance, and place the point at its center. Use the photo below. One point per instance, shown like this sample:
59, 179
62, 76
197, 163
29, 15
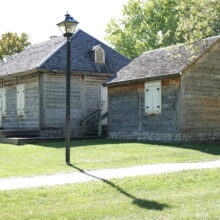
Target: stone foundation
58, 133
166, 137
155, 137
52, 132
213, 137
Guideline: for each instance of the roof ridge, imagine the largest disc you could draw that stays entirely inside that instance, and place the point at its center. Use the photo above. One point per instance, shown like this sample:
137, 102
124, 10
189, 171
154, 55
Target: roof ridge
55, 50
184, 44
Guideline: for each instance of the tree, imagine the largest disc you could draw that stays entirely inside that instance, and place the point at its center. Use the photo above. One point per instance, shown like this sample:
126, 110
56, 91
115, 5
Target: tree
12, 43
151, 24
199, 19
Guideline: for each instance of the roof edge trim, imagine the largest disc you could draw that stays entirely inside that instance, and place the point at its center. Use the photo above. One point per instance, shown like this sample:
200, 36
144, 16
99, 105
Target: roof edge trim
74, 71
34, 70
174, 75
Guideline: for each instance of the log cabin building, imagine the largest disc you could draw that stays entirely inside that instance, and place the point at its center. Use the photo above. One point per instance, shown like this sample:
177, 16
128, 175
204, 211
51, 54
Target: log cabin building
33, 82
169, 95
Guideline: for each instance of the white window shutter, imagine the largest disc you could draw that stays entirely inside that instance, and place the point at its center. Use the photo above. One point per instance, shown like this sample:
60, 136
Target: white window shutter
20, 99
153, 97
4, 101
148, 99
157, 99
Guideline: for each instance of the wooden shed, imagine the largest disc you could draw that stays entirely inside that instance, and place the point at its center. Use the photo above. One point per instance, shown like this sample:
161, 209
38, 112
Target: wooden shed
169, 95
32, 96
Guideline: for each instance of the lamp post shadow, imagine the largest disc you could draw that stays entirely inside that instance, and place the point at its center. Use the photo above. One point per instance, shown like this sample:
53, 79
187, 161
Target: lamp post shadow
142, 203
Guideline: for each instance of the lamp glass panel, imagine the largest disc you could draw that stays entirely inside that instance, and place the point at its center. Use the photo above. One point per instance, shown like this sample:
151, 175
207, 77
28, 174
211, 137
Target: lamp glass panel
62, 27
70, 27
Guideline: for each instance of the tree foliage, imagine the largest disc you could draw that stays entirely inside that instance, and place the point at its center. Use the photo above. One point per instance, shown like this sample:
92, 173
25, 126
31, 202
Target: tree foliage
199, 19
151, 24
12, 43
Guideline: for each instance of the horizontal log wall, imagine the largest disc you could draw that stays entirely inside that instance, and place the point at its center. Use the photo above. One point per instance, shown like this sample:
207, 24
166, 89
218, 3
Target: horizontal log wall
85, 98
11, 119
30, 119
201, 98
127, 116
45, 98
92, 93
55, 101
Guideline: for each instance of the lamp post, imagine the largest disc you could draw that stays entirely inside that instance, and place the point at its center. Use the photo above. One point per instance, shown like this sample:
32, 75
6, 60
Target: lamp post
67, 27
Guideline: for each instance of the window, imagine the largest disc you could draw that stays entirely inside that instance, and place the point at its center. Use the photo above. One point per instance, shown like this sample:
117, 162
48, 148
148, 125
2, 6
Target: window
99, 55
20, 99
153, 97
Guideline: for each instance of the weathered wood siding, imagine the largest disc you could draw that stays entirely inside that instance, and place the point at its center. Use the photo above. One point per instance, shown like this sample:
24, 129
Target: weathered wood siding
31, 115
92, 93
127, 116
85, 99
200, 94
123, 108
11, 119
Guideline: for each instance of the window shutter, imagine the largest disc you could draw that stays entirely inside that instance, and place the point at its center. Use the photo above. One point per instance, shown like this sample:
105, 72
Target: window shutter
20, 99
148, 99
153, 97
4, 101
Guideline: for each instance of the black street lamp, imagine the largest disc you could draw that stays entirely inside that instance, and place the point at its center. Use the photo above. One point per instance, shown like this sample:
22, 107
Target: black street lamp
67, 27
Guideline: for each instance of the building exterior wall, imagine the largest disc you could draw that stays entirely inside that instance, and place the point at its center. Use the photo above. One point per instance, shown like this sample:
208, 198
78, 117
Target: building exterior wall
30, 119
45, 102
200, 91
85, 99
127, 117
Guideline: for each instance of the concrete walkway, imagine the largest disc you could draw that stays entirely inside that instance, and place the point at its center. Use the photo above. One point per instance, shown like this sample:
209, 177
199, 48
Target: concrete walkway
102, 174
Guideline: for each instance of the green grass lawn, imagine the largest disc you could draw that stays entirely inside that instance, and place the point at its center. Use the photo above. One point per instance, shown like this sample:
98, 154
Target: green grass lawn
47, 158
185, 195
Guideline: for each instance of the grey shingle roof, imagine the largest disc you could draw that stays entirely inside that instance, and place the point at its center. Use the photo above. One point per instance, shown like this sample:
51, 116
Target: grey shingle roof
31, 57
82, 58
163, 62
51, 55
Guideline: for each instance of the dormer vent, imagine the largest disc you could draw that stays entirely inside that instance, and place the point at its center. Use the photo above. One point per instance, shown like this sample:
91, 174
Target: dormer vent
99, 54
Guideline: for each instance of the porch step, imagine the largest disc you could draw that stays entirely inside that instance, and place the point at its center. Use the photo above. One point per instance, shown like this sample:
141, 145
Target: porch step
19, 133
94, 131
28, 140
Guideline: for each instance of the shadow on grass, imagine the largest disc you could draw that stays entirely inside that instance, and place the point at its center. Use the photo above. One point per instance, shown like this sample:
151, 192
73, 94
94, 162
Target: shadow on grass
213, 149
142, 203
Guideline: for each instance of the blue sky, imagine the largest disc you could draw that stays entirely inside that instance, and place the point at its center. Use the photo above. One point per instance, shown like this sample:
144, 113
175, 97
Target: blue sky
38, 18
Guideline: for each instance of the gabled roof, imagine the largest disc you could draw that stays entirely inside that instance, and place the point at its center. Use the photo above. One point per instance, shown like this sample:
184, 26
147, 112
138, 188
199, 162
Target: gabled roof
30, 58
51, 55
163, 62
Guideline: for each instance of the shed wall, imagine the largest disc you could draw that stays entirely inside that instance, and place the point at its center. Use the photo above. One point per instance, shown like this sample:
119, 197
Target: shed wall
201, 98
127, 117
